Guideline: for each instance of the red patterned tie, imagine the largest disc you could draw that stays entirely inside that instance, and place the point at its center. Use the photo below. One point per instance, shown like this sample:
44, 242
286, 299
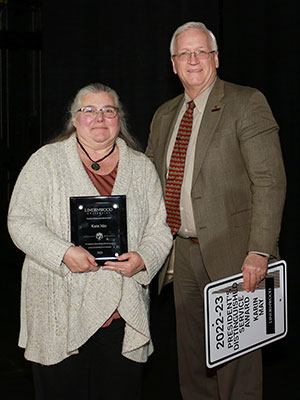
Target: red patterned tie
176, 169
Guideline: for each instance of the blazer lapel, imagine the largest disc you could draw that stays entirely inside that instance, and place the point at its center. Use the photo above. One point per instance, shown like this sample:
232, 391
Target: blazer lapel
167, 124
212, 114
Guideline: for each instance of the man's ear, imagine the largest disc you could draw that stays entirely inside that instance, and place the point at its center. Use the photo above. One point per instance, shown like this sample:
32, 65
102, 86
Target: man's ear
216, 55
173, 65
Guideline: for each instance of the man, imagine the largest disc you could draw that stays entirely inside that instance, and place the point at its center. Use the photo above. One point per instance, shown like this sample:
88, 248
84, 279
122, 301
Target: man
231, 200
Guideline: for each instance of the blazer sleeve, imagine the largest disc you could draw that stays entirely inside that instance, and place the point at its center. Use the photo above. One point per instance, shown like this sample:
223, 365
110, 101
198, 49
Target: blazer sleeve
260, 147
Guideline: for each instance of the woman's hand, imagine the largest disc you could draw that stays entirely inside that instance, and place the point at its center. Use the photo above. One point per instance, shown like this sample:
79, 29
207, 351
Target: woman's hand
128, 264
77, 259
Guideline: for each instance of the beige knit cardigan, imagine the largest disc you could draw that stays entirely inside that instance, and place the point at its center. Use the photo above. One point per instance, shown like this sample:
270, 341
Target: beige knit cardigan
61, 310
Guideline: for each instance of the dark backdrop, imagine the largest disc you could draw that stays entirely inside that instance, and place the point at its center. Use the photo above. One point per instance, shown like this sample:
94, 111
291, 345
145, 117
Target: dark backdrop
125, 44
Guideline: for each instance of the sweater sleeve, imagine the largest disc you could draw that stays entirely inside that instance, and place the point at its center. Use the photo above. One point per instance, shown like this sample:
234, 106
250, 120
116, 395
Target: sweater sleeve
29, 214
157, 239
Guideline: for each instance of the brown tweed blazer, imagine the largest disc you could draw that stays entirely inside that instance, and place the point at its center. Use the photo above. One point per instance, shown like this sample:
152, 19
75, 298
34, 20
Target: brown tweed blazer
239, 182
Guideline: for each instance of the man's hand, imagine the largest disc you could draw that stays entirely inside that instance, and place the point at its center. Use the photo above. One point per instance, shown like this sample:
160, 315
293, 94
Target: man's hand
254, 270
77, 259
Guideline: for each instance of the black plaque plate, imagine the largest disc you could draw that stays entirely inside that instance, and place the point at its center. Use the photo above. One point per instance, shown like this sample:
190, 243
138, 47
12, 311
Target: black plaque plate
99, 224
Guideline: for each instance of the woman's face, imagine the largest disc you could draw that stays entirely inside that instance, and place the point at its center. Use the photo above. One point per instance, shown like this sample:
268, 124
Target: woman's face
96, 131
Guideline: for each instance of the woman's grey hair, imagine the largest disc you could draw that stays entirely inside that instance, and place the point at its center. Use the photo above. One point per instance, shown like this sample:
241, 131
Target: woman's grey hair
76, 104
195, 25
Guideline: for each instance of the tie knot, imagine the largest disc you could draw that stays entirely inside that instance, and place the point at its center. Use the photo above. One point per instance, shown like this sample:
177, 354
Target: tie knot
191, 105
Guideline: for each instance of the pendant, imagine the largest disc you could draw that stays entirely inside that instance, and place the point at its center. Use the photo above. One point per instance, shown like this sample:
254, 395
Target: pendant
95, 166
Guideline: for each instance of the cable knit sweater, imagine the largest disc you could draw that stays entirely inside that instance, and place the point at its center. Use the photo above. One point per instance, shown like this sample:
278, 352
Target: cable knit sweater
60, 310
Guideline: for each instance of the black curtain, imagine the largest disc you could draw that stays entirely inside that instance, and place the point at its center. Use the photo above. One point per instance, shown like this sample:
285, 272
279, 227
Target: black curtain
124, 44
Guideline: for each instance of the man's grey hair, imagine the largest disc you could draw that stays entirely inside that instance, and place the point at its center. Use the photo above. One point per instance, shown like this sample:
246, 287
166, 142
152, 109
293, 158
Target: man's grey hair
195, 25
76, 104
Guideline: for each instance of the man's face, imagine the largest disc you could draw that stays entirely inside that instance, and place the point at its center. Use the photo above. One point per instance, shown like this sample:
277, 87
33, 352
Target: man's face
195, 74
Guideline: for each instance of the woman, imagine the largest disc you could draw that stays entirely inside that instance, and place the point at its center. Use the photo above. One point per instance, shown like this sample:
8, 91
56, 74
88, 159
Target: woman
84, 327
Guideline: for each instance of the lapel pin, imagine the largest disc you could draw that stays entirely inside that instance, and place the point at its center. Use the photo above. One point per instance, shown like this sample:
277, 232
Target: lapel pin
216, 108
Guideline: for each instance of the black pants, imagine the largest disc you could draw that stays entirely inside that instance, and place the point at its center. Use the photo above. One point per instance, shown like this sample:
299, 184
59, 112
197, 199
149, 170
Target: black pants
99, 371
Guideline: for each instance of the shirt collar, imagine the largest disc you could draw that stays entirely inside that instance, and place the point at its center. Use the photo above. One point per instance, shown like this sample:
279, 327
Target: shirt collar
200, 101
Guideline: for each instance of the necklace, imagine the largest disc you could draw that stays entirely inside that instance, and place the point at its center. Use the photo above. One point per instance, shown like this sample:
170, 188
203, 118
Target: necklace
95, 164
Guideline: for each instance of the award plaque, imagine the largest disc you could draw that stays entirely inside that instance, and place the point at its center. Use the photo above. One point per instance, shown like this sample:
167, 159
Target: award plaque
237, 322
99, 224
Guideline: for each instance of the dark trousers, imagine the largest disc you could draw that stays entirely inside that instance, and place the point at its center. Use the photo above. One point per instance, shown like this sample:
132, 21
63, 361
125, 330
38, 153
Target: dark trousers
161, 370
99, 371
240, 379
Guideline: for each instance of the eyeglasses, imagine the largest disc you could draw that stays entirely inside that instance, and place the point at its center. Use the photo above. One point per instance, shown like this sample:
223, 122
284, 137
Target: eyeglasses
92, 112
200, 54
